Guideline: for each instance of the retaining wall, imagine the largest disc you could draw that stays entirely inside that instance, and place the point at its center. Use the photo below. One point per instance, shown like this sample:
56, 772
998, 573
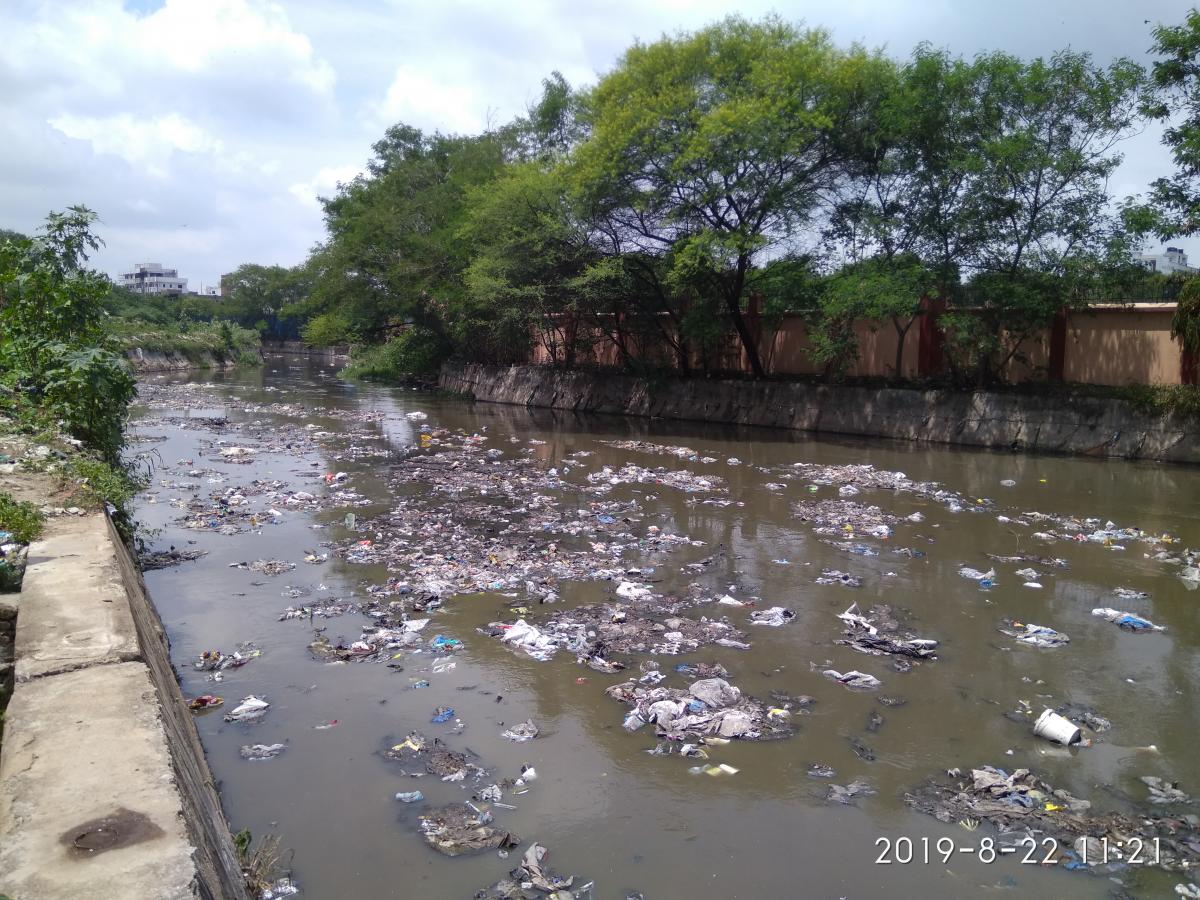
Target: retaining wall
1075, 425
104, 789
159, 361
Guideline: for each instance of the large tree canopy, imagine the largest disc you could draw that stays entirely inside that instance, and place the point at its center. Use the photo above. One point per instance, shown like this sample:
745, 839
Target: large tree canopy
713, 148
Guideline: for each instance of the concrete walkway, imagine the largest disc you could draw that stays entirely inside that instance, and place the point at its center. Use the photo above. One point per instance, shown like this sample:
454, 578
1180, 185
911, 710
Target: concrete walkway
90, 802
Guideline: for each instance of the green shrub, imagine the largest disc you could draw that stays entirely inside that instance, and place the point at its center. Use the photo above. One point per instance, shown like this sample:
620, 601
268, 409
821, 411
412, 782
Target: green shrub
417, 353
21, 518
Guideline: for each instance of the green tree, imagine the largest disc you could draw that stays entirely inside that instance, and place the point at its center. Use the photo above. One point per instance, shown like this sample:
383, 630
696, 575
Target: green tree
393, 254
713, 149
1176, 80
53, 352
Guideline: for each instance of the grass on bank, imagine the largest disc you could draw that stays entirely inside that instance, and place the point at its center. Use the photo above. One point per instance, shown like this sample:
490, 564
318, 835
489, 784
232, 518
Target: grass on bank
416, 355
20, 518
194, 340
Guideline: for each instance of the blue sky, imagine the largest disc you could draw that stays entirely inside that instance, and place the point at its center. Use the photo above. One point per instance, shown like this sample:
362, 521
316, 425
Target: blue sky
202, 131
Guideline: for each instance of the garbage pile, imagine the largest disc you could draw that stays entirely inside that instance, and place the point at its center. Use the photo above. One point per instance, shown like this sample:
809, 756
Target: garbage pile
1034, 635
532, 879
878, 634
594, 632
685, 453
710, 707
1021, 803
460, 828
1126, 620
845, 516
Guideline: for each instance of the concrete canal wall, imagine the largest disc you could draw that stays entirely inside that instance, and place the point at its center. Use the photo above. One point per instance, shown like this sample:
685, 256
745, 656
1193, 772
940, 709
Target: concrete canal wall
174, 361
104, 789
1076, 425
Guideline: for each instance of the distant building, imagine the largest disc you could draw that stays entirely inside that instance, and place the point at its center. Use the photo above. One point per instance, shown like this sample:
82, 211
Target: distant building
152, 278
1168, 263
226, 284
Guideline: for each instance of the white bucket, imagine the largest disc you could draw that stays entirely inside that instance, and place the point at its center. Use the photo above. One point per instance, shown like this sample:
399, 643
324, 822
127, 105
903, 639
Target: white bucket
1053, 727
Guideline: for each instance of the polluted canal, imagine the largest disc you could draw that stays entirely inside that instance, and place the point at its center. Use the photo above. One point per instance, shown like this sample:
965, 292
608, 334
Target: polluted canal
443, 648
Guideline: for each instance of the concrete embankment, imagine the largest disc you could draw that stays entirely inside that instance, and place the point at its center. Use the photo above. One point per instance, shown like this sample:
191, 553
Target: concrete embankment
104, 789
1074, 425
174, 361
335, 354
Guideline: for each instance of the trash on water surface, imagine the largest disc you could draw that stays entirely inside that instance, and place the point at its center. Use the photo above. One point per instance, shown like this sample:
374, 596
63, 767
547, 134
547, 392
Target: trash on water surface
853, 678
523, 731
1053, 727
410, 796
261, 751
461, 828
251, 709
1034, 635
1126, 620
775, 616
442, 714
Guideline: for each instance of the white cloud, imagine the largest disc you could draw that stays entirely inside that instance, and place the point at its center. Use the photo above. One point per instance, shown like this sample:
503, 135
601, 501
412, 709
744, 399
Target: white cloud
433, 102
323, 184
140, 142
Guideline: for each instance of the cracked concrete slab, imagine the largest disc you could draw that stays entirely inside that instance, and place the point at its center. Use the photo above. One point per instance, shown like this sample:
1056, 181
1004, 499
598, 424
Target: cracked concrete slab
59, 776
73, 608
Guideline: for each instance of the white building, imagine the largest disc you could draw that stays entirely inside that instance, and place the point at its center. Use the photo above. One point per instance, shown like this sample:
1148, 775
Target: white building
152, 278
1174, 260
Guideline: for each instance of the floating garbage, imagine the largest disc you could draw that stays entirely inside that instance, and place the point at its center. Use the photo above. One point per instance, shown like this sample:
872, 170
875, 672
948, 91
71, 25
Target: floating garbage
1126, 620
205, 701
710, 707
410, 796
1053, 727
1163, 791
461, 828
251, 709
524, 731
442, 715
846, 794
1024, 803
866, 636
853, 678
774, 617
1034, 635
261, 751
833, 576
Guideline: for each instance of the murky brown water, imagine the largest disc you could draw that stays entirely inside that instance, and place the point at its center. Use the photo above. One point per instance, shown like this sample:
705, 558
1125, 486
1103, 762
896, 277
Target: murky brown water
633, 822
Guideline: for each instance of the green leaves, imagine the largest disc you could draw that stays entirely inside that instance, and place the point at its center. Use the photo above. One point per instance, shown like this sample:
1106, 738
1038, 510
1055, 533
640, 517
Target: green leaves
52, 344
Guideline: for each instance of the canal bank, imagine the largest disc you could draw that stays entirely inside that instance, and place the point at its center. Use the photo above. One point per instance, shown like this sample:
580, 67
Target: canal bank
104, 789
1090, 426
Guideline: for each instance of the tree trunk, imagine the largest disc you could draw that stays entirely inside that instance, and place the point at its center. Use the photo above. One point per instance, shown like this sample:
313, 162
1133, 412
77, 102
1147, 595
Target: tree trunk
901, 333
733, 301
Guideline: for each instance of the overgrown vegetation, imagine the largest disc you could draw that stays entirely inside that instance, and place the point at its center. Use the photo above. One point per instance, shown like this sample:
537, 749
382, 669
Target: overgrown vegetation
58, 366
61, 371
415, 354
198, 341
261, 865
22, 519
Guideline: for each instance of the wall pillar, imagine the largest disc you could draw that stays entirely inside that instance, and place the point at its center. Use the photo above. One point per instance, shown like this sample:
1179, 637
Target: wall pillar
1058, 346
931, 338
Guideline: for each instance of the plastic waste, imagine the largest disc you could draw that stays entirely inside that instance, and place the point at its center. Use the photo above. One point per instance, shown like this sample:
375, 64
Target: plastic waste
774, 617
853, 678
524, 731
442, 715
410, 796
261, 751
249, 710
1053, 727
1126, 620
